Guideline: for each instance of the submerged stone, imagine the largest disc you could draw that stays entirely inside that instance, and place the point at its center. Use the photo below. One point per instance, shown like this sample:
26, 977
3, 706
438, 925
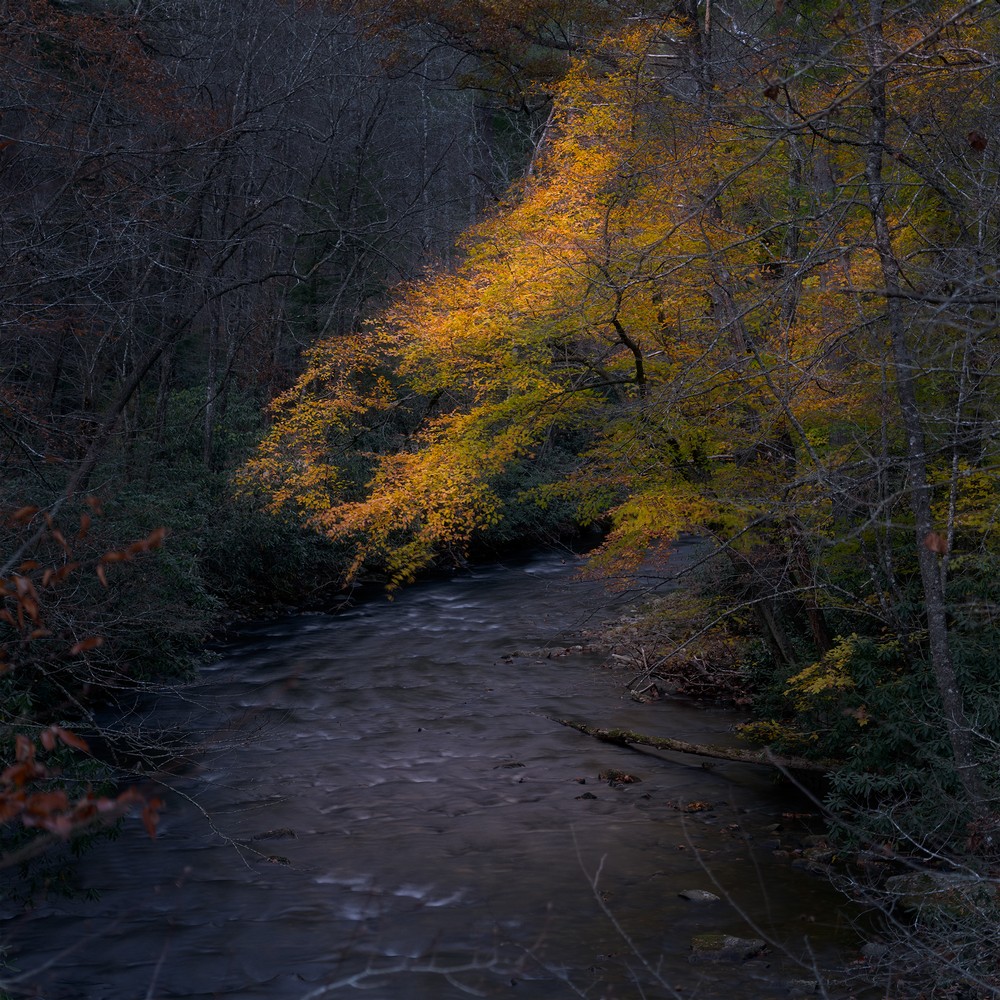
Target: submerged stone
280, 833
698, 896
724, 948
615, 777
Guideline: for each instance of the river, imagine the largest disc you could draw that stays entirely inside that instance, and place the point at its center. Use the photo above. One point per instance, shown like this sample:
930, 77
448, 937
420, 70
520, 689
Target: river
380, 798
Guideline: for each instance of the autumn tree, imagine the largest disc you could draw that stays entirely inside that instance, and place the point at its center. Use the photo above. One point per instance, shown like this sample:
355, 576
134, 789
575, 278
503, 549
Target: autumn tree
583, 301
753, 289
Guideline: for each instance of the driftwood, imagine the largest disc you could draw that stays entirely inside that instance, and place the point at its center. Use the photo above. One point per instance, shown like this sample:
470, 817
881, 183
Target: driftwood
626, 738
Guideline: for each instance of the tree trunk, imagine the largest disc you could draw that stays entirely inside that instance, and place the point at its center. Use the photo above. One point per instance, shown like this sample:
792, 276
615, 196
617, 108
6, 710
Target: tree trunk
905, 372
211, 392
764, 608
163, 396
805, 576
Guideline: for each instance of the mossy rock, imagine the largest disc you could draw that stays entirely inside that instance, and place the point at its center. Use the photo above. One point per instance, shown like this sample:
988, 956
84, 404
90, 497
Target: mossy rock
615, 777
714, 947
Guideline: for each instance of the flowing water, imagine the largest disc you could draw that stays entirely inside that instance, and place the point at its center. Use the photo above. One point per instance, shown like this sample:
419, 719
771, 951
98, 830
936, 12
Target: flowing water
382, 799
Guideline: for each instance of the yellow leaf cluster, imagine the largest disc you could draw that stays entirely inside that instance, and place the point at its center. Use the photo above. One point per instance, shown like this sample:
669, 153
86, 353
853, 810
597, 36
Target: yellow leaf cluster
634, 289
828, 676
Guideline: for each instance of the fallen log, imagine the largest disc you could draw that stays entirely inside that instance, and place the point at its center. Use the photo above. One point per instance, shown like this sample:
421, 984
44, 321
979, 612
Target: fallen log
627, 738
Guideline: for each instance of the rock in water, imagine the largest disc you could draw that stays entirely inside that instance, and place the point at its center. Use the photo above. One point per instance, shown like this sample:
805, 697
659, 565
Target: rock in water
698, 896
615, 777
281, 833
724, 948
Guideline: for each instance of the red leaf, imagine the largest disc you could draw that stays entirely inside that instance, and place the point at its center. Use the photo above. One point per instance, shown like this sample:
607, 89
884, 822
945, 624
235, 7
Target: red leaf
84, 811
71, 739
24, 748
30, 605
936, 542
61, 826
151, 816
43, 804
21, 774
153, 541
85, 645
10, 806
64, 571
23, 515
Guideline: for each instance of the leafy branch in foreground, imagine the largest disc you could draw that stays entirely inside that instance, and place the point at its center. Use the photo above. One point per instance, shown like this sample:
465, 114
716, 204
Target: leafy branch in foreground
30, 795
47, 673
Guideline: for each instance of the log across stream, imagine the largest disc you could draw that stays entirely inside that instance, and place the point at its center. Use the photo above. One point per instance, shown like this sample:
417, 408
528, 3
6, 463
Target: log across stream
734, 755
381, 798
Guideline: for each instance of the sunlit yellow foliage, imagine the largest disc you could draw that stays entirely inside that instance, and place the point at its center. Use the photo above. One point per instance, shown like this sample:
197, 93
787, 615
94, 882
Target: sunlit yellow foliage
343, 387
970, 504
830, 675
632, 289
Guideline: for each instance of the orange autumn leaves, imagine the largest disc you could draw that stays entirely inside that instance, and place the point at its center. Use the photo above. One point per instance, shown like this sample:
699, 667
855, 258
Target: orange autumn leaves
621, 296
51, 809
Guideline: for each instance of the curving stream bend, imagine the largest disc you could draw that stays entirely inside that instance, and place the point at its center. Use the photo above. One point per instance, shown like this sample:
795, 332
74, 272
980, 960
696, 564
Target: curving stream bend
383, 801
